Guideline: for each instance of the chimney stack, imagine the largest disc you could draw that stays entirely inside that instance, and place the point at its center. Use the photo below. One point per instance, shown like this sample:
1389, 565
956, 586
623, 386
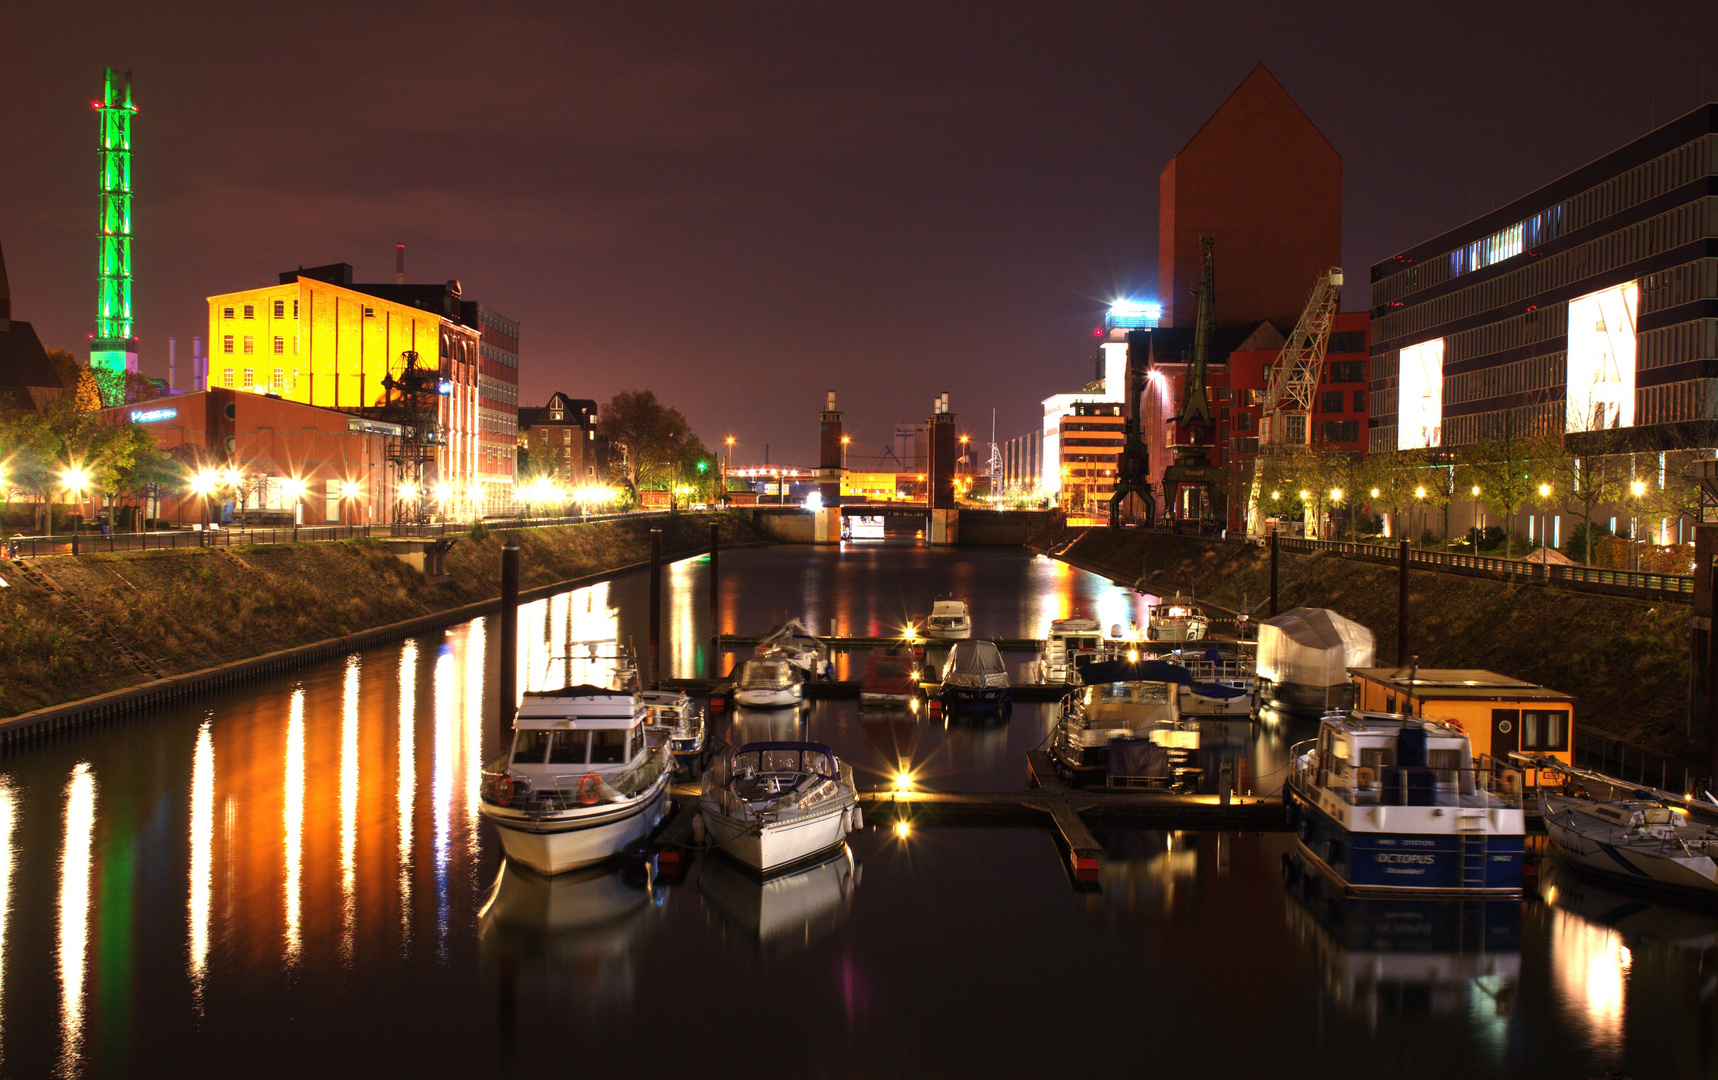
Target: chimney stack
199, 367
172, 362
5, 297
399, 264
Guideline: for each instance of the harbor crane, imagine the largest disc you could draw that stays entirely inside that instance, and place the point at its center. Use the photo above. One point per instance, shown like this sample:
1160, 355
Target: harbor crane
1191, 481
1294, 376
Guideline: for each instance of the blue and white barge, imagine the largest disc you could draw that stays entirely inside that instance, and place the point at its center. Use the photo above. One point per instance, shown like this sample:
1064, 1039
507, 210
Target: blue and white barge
1392, 805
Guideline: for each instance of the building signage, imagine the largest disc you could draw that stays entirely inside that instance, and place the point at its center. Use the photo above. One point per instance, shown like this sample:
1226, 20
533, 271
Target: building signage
149, 416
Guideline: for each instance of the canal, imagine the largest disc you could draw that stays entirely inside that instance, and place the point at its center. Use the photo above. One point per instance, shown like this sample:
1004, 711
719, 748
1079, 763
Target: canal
294, 880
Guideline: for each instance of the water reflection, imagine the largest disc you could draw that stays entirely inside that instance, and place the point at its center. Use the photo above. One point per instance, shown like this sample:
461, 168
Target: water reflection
784, 914
442, 790
202, 854
765, 725
75, 865
1145, 874
8, 861
406, 785
574, 937
293, 815
349, 810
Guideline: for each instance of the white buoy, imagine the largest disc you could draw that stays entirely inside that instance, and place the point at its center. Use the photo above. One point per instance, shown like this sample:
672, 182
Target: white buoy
858, 818
698, 828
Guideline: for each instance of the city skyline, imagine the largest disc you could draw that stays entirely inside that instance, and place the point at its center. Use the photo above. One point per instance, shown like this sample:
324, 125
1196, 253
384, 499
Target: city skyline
791, 201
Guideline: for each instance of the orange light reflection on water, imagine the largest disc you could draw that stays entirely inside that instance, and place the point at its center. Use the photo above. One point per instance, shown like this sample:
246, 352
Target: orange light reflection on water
349, 810
202, 855
74, 912
407, 784
293, 815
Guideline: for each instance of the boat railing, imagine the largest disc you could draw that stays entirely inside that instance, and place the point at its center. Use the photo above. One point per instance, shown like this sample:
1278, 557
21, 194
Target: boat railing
1488, 785
567, 791
717, 791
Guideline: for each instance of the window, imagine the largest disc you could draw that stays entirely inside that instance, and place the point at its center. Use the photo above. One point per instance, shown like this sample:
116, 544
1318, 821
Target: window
1251, 397
1330, 401
250, 344
529, 746
567, 436
295, 344
331, 504
1359, 401
227, 377
608, 746
1243, 421
279, 345
1347, 371
226, 313
280, 309
250, 378
295, 309
1341, 430
1347, 341
250, 311
1544, 730
279, 380
227, 343
568, 748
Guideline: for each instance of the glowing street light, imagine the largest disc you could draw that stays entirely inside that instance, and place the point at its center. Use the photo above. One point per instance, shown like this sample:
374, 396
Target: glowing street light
1374, 493
1638, 487
1544, 491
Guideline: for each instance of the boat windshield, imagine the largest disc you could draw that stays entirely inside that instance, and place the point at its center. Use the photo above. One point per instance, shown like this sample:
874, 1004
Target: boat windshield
529, 746
783, 760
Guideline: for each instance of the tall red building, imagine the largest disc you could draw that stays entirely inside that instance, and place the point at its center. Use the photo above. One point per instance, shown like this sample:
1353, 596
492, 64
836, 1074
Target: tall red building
1268, 185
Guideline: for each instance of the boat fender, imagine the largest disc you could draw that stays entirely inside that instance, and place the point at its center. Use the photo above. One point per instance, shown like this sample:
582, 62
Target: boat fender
858, 818
590, 789
698, 832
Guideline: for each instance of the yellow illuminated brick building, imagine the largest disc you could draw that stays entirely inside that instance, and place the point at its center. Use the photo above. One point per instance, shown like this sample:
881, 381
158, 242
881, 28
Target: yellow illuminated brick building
317, 338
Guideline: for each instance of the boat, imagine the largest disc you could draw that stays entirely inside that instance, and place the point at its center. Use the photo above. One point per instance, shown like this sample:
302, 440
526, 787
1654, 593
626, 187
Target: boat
772, 806
1070, 645
581, 782
1125, 726
1176, 620
1640, 840
769, 682
792, 642
1230, 669
671, 717
891, 678
1391, 804
974, 677
948, 621
1303, 660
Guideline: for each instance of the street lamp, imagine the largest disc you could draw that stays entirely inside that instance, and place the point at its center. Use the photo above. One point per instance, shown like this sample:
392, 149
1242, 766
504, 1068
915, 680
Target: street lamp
1544, 494
74, 480
294, 489
1638, 489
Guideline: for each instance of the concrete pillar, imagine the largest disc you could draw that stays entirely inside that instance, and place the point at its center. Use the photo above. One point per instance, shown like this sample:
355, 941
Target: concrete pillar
829, 466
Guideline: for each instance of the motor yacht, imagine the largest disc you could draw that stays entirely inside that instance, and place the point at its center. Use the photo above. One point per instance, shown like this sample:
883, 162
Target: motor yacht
792, 642
974, 677
1383, 803
1642, 841
891, 678
1177, 620
948, 621
769, 682
1224, 681
775, 805
581, 782
671, 717
1069, 646
1125, 726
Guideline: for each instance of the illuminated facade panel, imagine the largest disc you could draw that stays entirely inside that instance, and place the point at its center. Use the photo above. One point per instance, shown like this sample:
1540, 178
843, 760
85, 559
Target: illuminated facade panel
1601, 356
1420, 407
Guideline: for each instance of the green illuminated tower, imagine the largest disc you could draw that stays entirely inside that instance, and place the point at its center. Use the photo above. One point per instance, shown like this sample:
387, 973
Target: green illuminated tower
113, 349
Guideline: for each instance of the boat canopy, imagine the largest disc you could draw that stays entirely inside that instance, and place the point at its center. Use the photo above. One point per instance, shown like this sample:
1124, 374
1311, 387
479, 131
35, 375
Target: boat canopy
974, 658
1111, 671
767, 674
1312, 647
806, 757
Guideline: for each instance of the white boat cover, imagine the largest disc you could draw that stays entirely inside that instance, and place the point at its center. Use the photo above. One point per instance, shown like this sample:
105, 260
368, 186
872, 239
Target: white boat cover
1312, 647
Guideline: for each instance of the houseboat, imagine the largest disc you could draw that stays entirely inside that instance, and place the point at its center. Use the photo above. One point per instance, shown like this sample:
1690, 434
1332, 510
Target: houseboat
1387, 804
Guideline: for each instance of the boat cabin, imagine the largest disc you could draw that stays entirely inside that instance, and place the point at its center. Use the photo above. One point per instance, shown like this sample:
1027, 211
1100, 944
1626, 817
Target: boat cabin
1500, 714
560, 735
1632, 815
1070, 645
767, 673
759, 773
1386, 760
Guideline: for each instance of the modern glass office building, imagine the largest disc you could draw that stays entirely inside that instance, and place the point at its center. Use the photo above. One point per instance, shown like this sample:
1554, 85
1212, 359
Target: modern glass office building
1588, 307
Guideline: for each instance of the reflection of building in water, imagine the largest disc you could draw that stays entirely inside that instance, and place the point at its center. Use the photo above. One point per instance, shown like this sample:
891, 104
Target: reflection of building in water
1145, 873
764, 725
1400, 957
787, 912
575, 937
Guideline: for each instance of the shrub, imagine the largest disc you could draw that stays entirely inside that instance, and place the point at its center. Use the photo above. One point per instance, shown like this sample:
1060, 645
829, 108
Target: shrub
479, 533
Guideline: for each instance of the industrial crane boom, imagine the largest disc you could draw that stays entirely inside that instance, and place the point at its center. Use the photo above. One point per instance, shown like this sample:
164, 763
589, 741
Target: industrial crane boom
1298, 368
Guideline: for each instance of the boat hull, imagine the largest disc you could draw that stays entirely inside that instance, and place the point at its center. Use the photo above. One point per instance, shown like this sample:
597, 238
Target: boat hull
1685, 875
769, 699
777, 846
1406, 862
555, 844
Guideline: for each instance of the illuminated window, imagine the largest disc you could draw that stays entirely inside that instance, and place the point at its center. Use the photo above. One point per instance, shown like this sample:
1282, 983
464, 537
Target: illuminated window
279, 380
279, 345
227, 378
250, 378
227, 343
250, 345
226, 313
280, 309
295, 309
295, 344
250, 311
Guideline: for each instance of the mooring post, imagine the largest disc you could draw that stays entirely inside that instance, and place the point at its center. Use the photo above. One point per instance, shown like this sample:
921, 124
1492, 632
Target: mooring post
1402, 605
715, 595
655, 606
1273, 574
507, 692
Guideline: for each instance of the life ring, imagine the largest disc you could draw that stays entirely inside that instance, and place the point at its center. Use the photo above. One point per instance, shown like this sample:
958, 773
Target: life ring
504, 792
589, 789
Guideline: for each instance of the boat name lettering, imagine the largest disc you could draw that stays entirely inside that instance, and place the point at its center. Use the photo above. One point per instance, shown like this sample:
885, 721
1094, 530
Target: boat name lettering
1406, 857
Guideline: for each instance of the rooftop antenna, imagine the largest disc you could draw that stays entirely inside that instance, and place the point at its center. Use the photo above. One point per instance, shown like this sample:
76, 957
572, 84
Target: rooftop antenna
399, 264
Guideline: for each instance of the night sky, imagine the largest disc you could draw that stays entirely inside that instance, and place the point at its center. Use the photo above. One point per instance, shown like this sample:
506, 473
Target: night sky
743, 205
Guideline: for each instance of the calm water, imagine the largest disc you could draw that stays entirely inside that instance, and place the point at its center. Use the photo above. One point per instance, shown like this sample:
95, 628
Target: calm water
295, 880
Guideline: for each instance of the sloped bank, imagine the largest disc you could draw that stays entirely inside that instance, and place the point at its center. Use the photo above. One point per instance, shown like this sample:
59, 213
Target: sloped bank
196, 610
1626, 660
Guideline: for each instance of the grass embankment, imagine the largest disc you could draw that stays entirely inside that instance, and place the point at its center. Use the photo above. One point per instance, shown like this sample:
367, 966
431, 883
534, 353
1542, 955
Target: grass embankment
195, 608
1626, 660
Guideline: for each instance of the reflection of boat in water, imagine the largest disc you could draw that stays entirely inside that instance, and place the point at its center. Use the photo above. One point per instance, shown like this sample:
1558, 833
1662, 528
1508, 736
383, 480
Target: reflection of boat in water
763, 725
1145, 873
789, 909
575, 932
1638, 915
1401, 956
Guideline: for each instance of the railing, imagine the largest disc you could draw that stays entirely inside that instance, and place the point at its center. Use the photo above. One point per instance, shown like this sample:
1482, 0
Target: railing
1581, 578
1601, 753
501, 787
1489, 785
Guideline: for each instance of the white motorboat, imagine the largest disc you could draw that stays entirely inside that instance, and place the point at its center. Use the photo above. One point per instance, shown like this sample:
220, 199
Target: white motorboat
769, 682
1176, 620
581, 783
974, 677
775, 805
792, 642
1070, 644
671, 716
1639, 840
1224, 681
1383, 803
948, 621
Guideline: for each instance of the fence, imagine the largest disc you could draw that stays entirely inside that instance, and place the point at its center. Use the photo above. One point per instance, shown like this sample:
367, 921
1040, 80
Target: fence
1579, 578
30, 547
1613, 757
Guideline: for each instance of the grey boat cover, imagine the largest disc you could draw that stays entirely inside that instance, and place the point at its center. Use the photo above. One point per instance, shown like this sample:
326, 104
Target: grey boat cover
1312, 647
1138, 757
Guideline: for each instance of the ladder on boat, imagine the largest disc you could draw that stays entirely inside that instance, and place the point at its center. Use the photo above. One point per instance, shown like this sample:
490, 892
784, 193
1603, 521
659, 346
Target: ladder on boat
1474, 850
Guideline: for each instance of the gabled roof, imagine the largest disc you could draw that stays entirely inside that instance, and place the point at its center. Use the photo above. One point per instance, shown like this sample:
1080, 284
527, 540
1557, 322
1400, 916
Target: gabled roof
1258, 81
24, 366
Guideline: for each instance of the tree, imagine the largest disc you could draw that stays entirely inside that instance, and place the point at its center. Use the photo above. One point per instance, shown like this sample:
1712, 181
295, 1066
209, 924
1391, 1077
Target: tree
1505, 470
1581, 484
87, 393
154, 473
656, 438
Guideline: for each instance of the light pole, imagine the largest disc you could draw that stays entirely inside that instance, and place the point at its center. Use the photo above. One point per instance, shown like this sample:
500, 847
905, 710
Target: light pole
1638, 489
1335, 509
74, 480
727, 466
1420, 496
1474, 529
294, 490
1544, 507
